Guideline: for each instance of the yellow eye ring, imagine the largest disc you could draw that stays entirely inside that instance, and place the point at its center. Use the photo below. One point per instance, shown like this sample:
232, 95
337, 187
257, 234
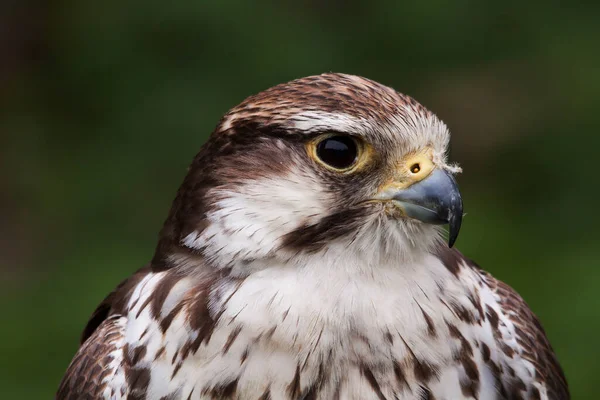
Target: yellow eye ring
338, 152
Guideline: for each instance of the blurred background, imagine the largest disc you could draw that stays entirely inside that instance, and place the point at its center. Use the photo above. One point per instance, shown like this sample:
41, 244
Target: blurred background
104, 104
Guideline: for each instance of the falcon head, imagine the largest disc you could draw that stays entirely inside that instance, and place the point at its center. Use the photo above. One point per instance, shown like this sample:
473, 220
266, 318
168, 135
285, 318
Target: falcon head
330, 164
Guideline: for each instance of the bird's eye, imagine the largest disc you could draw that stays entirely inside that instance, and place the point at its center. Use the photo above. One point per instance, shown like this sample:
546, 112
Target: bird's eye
339, 152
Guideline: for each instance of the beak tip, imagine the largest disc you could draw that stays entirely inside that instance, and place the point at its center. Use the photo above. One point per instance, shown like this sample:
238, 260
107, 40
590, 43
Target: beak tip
451, 242
454, 227
454, 224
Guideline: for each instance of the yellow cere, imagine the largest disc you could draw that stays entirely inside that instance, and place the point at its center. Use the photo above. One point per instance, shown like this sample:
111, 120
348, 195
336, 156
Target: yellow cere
411, 169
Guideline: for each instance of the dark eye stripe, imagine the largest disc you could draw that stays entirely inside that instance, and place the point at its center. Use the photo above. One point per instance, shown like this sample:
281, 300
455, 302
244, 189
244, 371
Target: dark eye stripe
339, 152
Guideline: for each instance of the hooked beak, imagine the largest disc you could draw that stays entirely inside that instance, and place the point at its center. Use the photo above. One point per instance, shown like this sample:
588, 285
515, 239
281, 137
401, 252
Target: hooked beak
433, 200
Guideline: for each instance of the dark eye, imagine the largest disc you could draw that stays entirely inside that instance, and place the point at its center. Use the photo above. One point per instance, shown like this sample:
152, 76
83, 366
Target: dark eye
339, 152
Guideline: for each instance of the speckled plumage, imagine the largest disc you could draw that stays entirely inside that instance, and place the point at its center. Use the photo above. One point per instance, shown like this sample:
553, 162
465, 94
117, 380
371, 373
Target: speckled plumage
273, 279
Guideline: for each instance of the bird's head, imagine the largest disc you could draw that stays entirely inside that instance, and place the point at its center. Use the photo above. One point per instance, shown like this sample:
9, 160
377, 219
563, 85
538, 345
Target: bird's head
328, 163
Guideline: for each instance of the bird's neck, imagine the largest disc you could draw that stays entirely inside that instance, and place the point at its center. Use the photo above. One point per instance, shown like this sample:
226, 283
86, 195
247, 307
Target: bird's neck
241, 234
243, 252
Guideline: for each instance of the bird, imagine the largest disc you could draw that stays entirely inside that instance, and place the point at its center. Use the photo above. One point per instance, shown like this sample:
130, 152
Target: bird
304, 257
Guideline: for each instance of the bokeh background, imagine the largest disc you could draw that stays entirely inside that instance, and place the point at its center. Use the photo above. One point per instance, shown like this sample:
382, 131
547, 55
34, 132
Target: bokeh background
104, 104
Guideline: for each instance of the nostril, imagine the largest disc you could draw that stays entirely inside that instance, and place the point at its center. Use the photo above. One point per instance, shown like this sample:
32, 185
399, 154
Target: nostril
415, 168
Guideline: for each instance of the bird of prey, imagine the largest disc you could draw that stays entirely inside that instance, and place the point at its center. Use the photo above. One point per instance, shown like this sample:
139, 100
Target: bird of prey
303, 258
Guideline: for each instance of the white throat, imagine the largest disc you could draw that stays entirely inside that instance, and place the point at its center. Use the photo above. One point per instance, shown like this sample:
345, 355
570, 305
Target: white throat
248, 223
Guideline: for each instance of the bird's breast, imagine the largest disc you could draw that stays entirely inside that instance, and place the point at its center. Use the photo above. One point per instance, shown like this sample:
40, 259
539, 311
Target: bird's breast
330, 326
290, 332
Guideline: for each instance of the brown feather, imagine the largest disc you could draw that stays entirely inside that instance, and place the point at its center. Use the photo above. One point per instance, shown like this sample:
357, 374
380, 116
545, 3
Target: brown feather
531, 336
85, 376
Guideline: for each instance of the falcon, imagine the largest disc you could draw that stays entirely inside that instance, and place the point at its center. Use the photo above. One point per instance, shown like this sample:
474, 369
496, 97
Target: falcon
303, 258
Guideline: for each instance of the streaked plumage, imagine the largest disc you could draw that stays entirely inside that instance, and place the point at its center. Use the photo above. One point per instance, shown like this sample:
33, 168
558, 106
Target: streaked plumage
276, 277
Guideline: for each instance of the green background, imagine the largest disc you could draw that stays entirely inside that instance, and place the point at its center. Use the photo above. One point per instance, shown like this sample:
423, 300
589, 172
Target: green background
104, 104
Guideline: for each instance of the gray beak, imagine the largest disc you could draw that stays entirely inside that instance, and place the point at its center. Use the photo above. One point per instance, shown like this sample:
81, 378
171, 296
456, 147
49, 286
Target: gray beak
433, 200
